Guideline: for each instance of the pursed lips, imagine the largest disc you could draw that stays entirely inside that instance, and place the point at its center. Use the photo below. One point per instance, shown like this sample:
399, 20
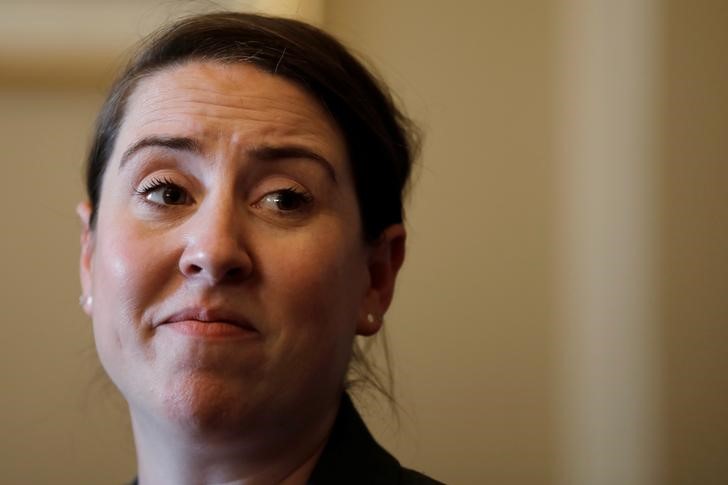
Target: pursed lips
208, 316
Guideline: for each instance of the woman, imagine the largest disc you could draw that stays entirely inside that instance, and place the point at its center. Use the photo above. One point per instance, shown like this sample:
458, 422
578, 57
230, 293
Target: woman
244, 223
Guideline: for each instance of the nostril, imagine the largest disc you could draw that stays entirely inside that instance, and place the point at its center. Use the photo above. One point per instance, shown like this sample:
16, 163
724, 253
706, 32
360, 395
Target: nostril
193, 269
234, 274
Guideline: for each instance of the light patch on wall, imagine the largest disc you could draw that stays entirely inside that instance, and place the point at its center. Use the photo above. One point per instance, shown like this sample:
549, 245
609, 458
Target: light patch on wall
606, 121
311, 11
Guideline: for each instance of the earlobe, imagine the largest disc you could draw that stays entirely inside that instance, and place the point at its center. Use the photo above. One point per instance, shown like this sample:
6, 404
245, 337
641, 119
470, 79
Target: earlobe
86, 260
369, 324
385, 259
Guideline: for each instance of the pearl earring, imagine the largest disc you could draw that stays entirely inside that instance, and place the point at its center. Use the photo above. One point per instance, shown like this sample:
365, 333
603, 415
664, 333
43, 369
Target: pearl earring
85, 300
370, 318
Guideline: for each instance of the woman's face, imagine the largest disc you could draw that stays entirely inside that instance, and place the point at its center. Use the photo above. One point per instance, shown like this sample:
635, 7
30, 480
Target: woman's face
227, 268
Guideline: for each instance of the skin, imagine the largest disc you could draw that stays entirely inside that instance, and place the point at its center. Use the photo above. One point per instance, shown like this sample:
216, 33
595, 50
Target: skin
257, 251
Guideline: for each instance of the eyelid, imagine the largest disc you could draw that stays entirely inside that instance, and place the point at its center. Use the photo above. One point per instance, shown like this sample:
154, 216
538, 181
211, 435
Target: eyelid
149, 184
165, 169
305, 196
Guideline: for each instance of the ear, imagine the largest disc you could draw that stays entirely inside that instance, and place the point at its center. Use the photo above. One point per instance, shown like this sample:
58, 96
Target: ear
386, 256
87, 252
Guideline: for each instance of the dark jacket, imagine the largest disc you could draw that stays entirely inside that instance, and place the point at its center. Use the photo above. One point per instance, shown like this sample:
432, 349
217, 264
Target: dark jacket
353, 457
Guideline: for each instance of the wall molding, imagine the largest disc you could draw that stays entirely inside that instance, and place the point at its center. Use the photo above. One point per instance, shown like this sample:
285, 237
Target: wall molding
81, 44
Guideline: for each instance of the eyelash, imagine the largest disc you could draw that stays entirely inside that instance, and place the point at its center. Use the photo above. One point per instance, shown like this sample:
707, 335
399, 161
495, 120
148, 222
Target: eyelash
154, 184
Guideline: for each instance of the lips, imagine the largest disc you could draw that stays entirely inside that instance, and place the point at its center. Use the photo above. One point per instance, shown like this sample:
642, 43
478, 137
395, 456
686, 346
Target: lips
204, 321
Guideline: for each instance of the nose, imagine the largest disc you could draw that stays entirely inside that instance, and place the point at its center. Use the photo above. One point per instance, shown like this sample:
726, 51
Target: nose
215, 250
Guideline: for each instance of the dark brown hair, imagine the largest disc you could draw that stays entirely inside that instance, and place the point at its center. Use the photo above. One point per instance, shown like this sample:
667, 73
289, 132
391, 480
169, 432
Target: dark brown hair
381, 142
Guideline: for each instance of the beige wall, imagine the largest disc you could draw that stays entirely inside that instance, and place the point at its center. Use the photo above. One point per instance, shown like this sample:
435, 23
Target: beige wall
509, 369
693, 231
59, 420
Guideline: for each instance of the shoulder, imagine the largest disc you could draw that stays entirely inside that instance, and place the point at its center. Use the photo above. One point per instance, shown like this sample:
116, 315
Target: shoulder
411, 477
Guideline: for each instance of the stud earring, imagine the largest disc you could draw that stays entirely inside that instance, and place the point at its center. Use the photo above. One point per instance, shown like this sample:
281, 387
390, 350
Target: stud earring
370, 318
85, 300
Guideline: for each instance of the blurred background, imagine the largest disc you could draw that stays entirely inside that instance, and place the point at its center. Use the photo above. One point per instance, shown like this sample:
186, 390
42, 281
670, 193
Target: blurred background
562, 317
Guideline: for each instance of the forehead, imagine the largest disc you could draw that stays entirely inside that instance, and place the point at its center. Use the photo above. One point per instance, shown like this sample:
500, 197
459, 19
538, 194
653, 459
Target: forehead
237, 103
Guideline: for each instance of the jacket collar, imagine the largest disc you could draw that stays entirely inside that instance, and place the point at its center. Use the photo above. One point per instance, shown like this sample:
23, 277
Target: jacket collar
352, 455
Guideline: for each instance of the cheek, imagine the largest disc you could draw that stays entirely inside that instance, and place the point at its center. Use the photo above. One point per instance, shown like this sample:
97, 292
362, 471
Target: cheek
321, 279
317, 286
316, 321
127, 276
126, 273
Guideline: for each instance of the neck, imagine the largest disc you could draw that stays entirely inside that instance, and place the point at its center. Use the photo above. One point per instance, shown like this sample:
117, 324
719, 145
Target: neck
168, 454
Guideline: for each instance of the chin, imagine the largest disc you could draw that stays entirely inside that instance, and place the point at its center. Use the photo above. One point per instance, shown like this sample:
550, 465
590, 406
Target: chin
208, 404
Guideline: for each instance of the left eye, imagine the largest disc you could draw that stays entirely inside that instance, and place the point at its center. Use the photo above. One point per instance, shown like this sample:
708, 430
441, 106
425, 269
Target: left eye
168, 195
286, 200
165, 193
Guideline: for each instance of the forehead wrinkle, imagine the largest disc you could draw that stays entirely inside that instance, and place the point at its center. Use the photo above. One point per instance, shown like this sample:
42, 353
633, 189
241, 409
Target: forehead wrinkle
279, 122
173, 102
286, 109
283, 128
216, 139
259, 109
241, 92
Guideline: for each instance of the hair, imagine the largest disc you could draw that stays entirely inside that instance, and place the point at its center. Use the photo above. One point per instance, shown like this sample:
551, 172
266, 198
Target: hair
381, 142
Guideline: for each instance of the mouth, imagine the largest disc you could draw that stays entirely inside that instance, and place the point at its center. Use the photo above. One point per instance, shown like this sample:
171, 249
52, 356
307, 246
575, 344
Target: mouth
209, 323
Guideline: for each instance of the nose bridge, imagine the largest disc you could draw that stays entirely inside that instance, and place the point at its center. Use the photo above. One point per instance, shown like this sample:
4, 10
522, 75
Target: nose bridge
214, 240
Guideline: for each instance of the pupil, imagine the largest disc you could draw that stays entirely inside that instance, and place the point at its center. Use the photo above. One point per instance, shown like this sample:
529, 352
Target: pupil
286, 201
171, 195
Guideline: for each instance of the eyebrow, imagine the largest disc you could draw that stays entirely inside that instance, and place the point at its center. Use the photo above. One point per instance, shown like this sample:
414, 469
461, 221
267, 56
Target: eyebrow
177, 143
262, 153
274, 153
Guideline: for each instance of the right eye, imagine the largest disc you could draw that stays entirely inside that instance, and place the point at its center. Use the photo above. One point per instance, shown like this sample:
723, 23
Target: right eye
164, 192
